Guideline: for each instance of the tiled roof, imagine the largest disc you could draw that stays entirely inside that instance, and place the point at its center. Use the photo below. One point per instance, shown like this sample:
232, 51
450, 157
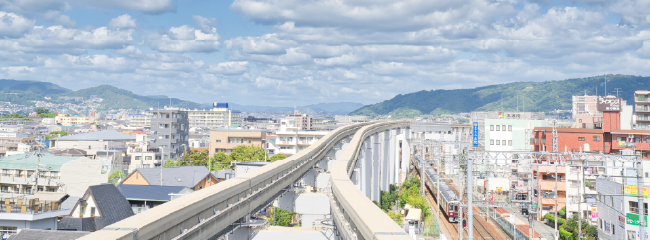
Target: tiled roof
187, 176
148, 192
111, 203
106, 135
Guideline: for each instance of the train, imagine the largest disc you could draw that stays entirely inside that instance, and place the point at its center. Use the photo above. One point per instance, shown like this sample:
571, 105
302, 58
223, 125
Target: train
449, 200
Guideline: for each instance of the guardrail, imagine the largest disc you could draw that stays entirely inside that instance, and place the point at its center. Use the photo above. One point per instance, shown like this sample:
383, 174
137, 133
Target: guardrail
212, 211
352, 211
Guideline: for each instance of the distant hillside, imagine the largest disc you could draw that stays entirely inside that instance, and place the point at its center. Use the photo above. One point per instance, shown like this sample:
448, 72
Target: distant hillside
535, 96
339, 108
36, 87
116, 98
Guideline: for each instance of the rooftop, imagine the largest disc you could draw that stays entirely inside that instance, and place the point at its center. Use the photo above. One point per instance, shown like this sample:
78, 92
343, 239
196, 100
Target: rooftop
106, 135
28, 161
569, 130
149, 192
186, 176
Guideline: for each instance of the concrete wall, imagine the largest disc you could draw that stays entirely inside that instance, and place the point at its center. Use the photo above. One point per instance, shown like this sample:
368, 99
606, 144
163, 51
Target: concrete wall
78, 175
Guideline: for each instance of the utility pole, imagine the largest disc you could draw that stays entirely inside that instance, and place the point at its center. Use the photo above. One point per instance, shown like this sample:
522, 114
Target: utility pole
470, 198
617, 89
460, 208
642, 223
581, 172
557, 236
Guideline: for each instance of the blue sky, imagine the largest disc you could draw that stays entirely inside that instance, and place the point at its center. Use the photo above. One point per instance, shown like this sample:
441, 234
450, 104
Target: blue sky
286, 52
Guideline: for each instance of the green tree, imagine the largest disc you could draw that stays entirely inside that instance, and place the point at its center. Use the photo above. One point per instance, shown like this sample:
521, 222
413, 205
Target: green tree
276, 157
282, 217
56, 134
194, 158
247, 153
220, 161
170, 163
397, 217
115, 177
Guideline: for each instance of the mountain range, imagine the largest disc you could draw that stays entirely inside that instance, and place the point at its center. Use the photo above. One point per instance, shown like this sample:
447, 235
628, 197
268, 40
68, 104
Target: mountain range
524, 96
23, 92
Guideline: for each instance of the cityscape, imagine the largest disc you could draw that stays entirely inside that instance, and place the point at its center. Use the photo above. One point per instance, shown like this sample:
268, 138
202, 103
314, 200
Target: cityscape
325, 120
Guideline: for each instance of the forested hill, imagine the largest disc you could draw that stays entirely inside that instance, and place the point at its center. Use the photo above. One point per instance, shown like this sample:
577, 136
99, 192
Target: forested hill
535, 96
116, 98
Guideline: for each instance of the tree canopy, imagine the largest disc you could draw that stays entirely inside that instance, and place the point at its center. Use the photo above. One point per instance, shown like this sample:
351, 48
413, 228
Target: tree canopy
221, 160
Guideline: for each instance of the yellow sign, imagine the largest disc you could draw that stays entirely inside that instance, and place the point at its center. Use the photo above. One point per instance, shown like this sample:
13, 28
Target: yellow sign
633, 191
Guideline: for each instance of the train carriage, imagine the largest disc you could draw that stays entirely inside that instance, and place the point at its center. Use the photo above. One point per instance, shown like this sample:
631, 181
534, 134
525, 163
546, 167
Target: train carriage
449, 200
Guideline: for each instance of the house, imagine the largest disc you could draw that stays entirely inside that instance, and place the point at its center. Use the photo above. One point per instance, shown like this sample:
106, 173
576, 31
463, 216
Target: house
100, 206
224, 174
143, 197
107, 139
194, 177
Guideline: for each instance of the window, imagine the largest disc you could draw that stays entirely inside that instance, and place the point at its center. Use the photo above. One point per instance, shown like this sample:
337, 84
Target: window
137, 157
637, 140
596, 138
509, 142
8, 230
503, 142
498, 142
218, 140
509, 128
92, 211
147, 158
646, 174
498, 127
581, 139
82, 210
491, 127
634, 207
503, 128
491, 141
249, 141
620, 139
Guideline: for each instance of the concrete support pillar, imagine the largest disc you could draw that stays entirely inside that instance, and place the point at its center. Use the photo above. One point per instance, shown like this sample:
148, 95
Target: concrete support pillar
385, 169
366, 168
376, 167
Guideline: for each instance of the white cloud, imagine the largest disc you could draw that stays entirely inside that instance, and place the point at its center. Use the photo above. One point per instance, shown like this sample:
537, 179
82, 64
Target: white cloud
207, 25
145, 6
186, 39
229, 68
13, 25
122, 22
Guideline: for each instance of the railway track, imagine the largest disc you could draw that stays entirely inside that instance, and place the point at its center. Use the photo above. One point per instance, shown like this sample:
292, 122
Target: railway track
481, 232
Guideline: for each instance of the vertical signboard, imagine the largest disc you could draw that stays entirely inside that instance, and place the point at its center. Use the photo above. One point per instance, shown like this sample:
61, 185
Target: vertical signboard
475, 134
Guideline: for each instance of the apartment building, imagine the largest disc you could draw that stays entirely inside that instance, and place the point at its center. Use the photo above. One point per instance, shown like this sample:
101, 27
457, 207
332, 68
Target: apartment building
548, 179
65, 174
169, 132
642, 107
217, 117
15, 145
71, 121
291, 138
301, 121
224, 140
140, 120
101, 140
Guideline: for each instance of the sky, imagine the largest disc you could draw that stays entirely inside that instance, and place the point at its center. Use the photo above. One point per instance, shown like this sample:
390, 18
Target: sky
299, 52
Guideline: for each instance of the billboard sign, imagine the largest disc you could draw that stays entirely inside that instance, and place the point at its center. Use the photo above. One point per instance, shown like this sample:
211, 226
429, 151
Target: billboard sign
475, 134
633, 219
633, 191
609, 104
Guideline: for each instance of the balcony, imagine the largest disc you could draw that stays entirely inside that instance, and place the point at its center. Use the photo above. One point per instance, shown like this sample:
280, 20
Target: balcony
633, 145
641, 99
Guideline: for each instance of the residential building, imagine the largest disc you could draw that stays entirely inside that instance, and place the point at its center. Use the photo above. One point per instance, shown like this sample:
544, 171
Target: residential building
642, 107
170, 132
100, 206
585, 112
140, 120
219, 116
550, 178
71, 121
144, 197
224, 140
71, 175
301, 121
224, 174
23, 212
635, 140
15, 145
102, 140
507, 134
291, 139
194, 177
